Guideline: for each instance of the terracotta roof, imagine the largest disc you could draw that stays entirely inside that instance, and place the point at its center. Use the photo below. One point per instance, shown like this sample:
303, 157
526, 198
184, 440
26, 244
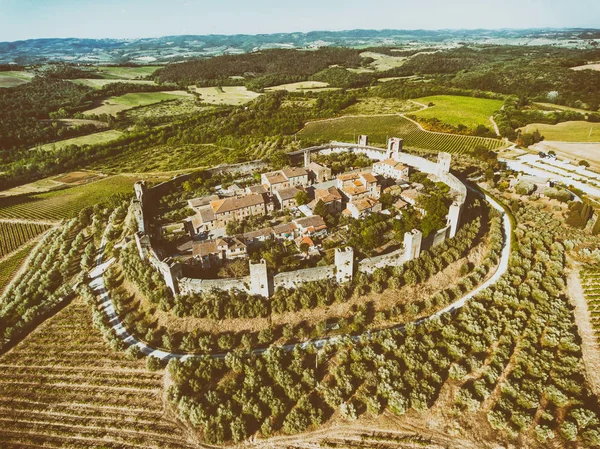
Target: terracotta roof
364, 204
311, 224
347, 176
285, 228
206, 215
328, 195
258, 188
204, 249
235, 243
392, 163
306, 239
411, 194
202, 201
231, 204
264, 232
368, 177
294, 172
275, 177
400, 204
354, 190
287, 194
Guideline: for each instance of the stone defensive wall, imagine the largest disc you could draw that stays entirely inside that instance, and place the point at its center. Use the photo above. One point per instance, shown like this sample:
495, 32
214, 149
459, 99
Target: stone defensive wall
262, 283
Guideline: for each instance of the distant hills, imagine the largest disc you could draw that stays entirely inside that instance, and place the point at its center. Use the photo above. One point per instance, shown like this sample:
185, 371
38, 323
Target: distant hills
177, 48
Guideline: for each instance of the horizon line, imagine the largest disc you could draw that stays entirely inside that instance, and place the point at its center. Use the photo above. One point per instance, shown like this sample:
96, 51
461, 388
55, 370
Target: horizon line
306, 32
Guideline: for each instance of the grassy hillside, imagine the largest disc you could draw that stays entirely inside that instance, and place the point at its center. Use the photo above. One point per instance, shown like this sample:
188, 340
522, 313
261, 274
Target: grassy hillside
379, 128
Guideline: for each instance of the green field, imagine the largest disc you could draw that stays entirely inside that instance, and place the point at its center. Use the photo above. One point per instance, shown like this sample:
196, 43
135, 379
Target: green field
128, 73
112, 105
90, 139
567, 131
64, 203
379, 128
10, 265
457, 110
230, 95
15, 78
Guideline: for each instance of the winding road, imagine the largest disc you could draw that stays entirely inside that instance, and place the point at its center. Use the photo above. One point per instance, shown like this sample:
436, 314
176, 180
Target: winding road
97, 285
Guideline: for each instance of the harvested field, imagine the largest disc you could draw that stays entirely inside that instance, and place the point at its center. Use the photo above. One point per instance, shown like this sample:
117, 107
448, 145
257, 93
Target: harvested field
576, 131
77, 177
63, 387
573, 151
587, 67
230, 95
303, 86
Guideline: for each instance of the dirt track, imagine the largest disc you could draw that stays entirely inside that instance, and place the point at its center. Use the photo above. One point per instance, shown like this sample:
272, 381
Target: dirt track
589, 345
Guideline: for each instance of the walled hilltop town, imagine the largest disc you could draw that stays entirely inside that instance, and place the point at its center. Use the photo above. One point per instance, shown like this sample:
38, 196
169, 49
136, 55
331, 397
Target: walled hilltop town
303, 208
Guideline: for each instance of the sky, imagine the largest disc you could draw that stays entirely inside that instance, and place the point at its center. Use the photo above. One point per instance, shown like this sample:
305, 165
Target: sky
29, 19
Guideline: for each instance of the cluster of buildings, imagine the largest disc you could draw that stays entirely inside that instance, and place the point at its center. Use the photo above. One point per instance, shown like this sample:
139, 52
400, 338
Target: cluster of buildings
354, 194
302, 231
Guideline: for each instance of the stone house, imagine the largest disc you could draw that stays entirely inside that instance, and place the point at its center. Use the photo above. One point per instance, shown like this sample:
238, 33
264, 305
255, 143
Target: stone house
287, 197
390, 168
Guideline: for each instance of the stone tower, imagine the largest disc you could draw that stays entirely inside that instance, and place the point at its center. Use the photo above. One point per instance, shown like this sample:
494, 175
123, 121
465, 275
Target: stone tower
140, 190
363, 140
259, 279
344, 264
172, 272
412, 244
306, 159
443, 163
394, 146
454, 217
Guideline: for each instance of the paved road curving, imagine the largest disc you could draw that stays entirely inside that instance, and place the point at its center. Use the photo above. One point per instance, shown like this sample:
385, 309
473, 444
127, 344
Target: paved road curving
97, 284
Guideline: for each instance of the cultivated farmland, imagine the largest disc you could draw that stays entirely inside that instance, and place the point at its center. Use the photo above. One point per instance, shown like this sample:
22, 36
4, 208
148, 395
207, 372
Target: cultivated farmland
112, 105
590, 281
65, 203
13, 235
457, 110
64, 387
89, 139
10, 265
14, 78
576, 131
379, 128
128, 73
